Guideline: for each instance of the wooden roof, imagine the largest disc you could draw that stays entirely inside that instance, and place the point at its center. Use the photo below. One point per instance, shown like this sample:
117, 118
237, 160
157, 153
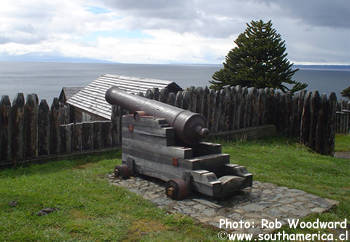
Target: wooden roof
68, 92
92, 97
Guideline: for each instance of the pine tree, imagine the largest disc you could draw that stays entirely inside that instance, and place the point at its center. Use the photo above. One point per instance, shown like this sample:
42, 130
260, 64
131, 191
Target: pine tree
259, 60
346, 92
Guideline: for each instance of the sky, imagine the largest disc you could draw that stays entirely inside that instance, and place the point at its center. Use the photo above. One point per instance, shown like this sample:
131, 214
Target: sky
168, 32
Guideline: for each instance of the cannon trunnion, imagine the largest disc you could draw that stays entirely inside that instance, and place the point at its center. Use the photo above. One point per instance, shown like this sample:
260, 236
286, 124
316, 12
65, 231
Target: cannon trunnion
153, 146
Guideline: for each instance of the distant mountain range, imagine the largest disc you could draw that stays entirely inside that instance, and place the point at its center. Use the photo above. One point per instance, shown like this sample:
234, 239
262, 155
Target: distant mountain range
37, 57
323, 67
49, 58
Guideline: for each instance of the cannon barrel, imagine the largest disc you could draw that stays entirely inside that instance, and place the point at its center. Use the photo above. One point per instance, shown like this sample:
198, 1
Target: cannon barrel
189, 127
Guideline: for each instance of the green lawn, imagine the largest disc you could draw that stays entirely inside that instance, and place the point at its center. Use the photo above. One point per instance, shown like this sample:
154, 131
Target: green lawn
287, 163
342, 142
91, 209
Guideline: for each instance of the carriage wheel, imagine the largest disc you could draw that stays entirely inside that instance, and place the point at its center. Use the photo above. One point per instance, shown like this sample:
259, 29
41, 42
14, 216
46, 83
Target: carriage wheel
176, 189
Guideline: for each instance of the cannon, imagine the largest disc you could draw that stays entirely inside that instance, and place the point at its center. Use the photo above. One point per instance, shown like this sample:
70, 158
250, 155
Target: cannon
165, 142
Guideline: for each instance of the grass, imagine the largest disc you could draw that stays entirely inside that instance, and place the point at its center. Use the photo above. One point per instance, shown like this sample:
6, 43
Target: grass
286, 163
342, 142
91, 209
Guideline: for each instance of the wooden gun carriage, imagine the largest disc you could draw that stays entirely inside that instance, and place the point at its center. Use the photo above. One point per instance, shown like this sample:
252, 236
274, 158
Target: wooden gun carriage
163, 141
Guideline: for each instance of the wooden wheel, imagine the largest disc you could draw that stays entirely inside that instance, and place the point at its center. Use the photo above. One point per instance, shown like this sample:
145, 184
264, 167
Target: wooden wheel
176, 189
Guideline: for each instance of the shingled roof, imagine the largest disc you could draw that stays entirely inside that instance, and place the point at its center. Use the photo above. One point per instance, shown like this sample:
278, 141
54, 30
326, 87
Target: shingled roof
68, 92
92, 97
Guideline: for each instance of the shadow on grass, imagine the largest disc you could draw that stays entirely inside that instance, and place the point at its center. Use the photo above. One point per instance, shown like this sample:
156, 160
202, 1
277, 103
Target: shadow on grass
55, 165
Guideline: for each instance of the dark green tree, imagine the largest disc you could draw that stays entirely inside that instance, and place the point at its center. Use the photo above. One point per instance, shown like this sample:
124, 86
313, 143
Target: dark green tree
346, 92
259, 60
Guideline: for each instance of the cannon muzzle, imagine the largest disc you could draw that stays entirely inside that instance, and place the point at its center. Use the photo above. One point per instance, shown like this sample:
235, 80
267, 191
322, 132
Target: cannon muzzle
189, 127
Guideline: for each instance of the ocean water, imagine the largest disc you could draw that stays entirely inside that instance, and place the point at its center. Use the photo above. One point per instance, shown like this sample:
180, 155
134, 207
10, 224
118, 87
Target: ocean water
47, 78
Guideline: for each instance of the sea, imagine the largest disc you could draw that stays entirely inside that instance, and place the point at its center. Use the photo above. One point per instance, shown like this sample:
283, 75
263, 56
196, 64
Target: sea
47, 78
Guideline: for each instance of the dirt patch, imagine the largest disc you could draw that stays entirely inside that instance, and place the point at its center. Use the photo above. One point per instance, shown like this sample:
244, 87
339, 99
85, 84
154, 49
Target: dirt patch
83, 166
142, 228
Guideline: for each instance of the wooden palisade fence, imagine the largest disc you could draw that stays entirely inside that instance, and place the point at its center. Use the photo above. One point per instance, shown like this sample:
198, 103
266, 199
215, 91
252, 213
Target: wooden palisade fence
342, 117
308, 116
30, 130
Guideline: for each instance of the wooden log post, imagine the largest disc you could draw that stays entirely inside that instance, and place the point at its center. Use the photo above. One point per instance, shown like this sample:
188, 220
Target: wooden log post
226, 109
314, 109
98, 139
204, 108
342, 122
54, 127
63, 139
77, 143
66, 117
179, 99
43, 128
116, 125
248, 109
260, 106
288, 114
238, 109
271, 104
283, 114
31, 127
267, 107
253, 109
17, 129
219, 108
106, 134
301, 98
331, 122
293, 120
171, 99
211, 108
244, 103
200, 98
186, 100
163, 96
68, 135
233, 110
61, 114
305, 120
5, 112
149, 94
193, 101
337, 122
320, 132
265, 102
278, 102
88, 136
156, 93
216, 114
72, 111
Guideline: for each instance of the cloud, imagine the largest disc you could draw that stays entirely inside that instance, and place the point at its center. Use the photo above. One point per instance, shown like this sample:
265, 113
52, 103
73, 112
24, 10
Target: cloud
164, 46
324, 13
156, 31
